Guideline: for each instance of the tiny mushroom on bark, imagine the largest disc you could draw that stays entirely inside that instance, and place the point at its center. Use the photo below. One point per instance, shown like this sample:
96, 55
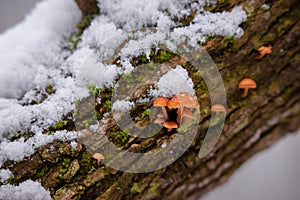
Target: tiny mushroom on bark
170, 125
187, 113
159, 121
263, 50
162, 102
181, 101
98, 157
218, 108
245, 84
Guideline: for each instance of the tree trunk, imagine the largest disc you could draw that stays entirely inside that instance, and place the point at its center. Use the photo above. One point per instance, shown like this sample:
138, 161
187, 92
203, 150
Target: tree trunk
252, 124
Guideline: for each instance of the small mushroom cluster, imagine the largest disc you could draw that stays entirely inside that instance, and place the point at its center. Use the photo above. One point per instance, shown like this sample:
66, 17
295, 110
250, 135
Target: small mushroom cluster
183, 102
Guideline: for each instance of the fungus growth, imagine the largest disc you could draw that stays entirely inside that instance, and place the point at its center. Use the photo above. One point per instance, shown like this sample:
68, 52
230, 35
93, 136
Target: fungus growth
98, 157
245, 84
162, 102
263, 50
183, 102
218, 108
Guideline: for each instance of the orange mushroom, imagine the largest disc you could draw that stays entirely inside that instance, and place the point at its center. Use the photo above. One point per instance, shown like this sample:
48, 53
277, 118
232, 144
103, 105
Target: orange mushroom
245, 84
181, 101
162, 102
263, 50
170, 125
218, 108
98, 157
188, 113
159, 121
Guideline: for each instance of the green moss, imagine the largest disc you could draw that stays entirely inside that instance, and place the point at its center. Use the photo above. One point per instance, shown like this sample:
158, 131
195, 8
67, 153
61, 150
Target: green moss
144, 58
65, 166
94, 90
87, 122
209, 37
10, 180
146, 113
137, 119
163, 56
42, 172
85, 158
239, 103
49, 89
120, 137
107, 105
136, 188
128, 78
153, 191
59, 125
151, 66
230, 39
222, 1
232, 146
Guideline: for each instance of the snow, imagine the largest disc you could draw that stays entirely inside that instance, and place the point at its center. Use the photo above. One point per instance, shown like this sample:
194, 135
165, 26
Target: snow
33, 48
122, 105
26, 190
97, 73
4, 175
167, 86
8, 150
265, 7
73, 144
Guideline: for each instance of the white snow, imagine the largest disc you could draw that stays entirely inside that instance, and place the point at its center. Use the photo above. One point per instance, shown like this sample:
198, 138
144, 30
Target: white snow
122, 105
26, 190
4, 175
33, 48
8, 150
265, 7
73, 144
167, 86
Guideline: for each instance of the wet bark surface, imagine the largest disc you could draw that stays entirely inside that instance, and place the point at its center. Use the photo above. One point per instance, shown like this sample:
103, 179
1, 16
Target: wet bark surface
252, 124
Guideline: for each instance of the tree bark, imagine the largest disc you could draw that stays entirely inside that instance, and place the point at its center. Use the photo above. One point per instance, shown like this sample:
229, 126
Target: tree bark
252, 124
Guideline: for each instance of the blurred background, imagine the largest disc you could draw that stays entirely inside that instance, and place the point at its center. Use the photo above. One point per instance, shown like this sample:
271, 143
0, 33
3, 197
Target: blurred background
273, 174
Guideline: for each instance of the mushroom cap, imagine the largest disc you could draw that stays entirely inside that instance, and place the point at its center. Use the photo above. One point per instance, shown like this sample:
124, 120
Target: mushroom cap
174, 103
247, 83
265, 50
159, 120
183, 99
98, 156
170, 125
161, 101
218, 108
188, 113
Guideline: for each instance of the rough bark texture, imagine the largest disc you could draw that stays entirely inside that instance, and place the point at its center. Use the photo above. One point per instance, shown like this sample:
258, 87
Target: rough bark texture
252, 123
87, 7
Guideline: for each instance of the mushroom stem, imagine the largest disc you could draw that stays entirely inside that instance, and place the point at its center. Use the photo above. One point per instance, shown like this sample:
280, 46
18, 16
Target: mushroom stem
245, 92
169, 129
179, 115
164, 110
